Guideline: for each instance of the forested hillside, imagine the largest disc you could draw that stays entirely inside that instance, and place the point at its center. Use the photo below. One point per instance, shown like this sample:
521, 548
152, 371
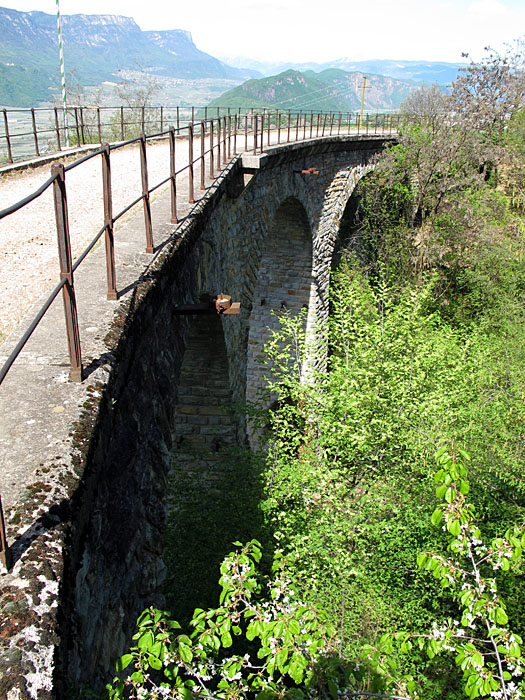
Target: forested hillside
393, 478
330, 91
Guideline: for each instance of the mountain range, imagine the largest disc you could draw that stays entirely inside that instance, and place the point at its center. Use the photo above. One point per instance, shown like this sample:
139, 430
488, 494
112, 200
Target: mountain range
428, 72
96, 47
101, 48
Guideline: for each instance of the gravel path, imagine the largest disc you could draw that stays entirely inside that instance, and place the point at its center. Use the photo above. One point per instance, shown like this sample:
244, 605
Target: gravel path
28, 252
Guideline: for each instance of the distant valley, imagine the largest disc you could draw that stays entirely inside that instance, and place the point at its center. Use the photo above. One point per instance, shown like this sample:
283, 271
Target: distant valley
428, 72
96, 48
101, 49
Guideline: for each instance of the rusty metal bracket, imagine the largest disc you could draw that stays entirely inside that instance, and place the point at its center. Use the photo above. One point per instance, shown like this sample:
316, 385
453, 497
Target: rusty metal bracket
310, 171
225, 305
221, 305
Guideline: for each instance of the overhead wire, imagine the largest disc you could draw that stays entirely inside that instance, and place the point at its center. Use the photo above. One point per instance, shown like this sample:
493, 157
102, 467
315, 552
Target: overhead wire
307, 98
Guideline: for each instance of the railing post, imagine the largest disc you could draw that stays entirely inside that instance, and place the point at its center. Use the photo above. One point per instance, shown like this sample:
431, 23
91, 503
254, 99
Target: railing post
246, 132
77, 127
255, 134
311, 123
262, 131
203, 148
358, 120
34, 130
108, 222
235, 128
289, 123
145, 195
278, 127
57, 129
161, 119
122, 131
6, 126
99, 125
218, 142
229, 119
5, 553
82, 125
224, 139
178, 117
297, 126
269, 127
173, 177
212, 154
66, 273
367, 117
191, 197
142, 120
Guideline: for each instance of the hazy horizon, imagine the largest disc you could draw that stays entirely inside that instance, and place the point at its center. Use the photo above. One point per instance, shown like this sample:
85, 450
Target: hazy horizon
426, 30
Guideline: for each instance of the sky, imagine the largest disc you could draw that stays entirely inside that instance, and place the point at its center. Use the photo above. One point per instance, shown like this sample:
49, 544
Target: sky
314, 30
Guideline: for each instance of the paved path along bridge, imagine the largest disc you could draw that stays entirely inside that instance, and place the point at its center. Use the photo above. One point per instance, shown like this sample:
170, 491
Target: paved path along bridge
85, 465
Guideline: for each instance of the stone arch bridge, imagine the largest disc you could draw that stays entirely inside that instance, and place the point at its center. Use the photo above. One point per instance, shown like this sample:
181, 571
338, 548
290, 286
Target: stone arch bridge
88, 537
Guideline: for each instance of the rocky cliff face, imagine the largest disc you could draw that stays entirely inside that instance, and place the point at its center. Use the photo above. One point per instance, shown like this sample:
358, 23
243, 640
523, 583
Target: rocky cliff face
96, 47
38, 30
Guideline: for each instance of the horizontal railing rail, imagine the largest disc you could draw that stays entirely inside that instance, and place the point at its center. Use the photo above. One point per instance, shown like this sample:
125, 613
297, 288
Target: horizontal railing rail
32, 133
216, 141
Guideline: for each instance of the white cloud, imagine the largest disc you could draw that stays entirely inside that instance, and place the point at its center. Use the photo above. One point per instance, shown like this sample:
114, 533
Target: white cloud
488, 8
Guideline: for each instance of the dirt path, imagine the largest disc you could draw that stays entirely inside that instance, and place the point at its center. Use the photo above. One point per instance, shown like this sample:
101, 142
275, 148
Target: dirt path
28, 248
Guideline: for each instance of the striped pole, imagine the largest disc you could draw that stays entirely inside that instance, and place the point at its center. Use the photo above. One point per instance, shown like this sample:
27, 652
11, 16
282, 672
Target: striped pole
62, 73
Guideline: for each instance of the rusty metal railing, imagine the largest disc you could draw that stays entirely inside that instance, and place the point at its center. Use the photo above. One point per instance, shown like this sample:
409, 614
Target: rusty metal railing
224, 134
30, 133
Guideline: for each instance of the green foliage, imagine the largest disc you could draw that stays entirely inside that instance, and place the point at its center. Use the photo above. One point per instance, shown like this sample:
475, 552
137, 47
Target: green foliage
487, 652
261, 640
232, 494
351, 449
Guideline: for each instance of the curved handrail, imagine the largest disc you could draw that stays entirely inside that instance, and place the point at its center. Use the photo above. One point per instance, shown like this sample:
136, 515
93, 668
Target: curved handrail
258, 125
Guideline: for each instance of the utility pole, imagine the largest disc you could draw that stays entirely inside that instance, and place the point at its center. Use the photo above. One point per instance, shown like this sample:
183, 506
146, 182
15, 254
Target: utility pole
362, 100
62, 73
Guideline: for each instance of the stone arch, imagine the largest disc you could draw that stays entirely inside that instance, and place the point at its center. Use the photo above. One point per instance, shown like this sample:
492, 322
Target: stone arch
205, 434
336, 199
347, 240
284, 283
202, 423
